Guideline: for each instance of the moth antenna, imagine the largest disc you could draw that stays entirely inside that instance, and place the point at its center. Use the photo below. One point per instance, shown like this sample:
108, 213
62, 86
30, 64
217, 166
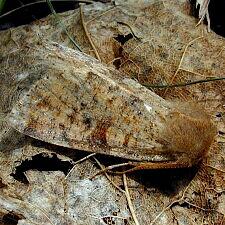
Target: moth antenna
109, 169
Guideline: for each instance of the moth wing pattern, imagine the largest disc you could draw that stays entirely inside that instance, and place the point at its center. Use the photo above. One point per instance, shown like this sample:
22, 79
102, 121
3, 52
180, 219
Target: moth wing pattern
82, 104
92, 107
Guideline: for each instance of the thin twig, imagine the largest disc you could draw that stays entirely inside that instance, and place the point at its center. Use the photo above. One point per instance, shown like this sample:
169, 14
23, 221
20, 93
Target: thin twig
165, 209
131, 29
79, 161
112, 61
87, 33
182, 58
135, 64
107, 176
189, 71
174, 202
132, 211
170, 205
42, 1
105, 12
182, 198
183, 84
198, 207
62, 24
42, 211
222, 49
217, 169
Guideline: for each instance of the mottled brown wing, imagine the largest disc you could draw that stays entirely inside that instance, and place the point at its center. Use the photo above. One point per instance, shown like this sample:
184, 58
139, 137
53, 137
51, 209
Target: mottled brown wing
94, 108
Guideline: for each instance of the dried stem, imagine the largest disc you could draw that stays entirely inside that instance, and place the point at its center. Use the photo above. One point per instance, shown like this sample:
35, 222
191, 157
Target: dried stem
62, 24
182, 58
184, 84
131, 29
110, 168
87, 33
169, 205
42, 211
107, 176
217, 169
102, 14
129, 200
79, 161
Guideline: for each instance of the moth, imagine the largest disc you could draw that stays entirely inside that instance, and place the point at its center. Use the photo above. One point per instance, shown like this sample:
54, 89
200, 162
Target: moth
83, 104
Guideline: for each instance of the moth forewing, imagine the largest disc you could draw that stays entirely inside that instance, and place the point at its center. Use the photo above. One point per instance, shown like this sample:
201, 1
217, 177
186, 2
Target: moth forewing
92, 107
109, 120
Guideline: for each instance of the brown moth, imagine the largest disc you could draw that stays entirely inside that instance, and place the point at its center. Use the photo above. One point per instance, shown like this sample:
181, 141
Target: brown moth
82, 104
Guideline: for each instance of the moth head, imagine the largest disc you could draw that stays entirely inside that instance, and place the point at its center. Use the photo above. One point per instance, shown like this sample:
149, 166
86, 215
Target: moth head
190, 131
